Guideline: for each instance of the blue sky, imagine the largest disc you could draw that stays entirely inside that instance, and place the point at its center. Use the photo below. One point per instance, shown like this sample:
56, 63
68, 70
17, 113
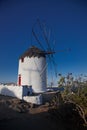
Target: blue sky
66, 18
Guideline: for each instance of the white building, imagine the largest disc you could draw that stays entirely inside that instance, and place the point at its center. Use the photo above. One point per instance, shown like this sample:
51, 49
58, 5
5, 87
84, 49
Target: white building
32, 70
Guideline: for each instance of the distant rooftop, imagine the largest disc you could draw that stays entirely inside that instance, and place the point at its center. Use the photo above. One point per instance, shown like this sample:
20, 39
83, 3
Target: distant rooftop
33, 52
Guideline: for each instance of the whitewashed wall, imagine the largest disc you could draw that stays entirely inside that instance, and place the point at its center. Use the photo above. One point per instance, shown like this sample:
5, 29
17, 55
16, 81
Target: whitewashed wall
13, 91
33, 99
21, 93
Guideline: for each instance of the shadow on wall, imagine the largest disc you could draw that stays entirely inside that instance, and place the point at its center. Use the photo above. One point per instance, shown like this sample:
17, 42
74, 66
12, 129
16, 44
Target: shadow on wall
7, 92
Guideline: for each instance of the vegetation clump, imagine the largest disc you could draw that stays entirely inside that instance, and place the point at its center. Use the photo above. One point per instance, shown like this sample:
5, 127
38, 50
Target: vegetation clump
71, 110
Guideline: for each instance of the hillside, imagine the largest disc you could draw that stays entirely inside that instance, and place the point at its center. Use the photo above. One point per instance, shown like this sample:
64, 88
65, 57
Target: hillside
19, 115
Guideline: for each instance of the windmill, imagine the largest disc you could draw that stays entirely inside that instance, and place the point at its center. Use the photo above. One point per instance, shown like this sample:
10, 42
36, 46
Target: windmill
33, 62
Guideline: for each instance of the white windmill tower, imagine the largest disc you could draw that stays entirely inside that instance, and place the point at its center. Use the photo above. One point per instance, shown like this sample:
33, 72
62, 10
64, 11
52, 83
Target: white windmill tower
32, 69
32, 63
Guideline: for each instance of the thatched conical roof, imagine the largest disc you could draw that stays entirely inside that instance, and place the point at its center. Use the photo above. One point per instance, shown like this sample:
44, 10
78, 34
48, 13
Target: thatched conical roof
33, 52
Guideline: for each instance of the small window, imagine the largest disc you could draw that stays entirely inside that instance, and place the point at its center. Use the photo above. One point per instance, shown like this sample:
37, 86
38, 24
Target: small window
22, 59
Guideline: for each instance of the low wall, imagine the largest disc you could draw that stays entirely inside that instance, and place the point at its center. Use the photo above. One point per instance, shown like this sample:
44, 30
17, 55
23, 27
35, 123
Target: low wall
33, 99
21, 93
13, 91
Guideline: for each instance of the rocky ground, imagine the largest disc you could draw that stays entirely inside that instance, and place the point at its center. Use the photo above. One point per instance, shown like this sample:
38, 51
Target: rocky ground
19, 115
